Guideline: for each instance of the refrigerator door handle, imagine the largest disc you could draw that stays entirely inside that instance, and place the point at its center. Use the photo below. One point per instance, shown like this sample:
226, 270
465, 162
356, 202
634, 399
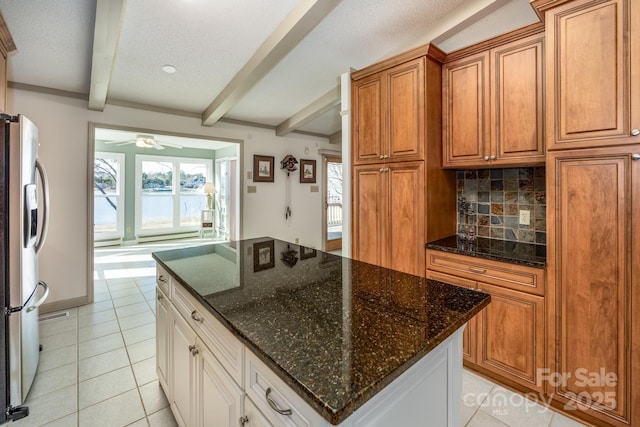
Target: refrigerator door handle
42, 299
45, 206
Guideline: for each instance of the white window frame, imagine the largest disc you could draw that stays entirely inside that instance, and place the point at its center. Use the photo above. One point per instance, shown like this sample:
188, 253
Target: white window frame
175, 192
119, 197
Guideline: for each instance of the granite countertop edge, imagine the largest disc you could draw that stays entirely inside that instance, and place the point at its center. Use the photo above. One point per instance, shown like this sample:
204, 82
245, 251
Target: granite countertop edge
510, 259
334, 416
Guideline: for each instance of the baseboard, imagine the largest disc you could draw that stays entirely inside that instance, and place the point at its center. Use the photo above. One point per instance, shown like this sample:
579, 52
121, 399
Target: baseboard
64, 304
158, 237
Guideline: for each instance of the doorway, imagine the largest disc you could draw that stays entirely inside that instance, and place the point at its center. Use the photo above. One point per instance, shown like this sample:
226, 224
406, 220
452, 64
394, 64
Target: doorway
333, 203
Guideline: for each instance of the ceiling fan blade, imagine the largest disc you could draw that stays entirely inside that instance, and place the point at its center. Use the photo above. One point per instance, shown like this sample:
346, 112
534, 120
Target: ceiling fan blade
170, 145
158, 146
126, 142
122, 142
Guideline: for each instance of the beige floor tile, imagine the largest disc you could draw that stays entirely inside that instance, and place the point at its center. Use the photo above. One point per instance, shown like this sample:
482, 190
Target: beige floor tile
140, 423
142, 350
132, 310
125, 292
94, 318
162, 418
141, 333
145, 371
514, 409
118, 411
95, 307
136, 298
137, 320
58, 326
98, 330
56, 358
68, 421
150, 296
58, 341
560, 420
49, 407
105, 386
100, 345
102, 295
153, 398
102, 363
54, 379
481, 419
147, 287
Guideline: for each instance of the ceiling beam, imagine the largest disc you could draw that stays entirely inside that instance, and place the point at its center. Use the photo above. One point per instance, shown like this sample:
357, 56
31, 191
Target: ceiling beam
310, 112
304, 18
106, 33
461, 18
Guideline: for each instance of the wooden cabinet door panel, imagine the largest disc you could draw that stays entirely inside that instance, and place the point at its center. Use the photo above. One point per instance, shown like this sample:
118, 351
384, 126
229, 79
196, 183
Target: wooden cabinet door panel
465, 109
469, 336
592, 201
368, 120
406, 98
588, 80
404, 239
517, 131
369, 200
511, 335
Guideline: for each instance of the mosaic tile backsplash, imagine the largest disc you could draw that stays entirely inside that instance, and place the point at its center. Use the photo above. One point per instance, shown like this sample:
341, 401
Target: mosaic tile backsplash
490, 201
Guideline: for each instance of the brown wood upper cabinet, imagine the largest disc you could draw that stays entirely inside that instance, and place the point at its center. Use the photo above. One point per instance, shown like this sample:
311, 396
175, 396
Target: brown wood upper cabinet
388, 114
493, 106
592, 73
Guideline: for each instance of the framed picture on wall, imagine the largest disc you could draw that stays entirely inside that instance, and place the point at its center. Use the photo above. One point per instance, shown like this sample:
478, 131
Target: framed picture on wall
262, 168
306, 253
307, 171
263, 255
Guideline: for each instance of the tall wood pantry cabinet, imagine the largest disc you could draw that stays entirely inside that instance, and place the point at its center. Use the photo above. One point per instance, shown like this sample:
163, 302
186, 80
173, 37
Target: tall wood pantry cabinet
401, 197
593, 207
493, 100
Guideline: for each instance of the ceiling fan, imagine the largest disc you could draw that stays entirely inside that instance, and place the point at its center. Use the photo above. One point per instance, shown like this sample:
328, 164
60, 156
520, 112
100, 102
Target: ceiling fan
145, 141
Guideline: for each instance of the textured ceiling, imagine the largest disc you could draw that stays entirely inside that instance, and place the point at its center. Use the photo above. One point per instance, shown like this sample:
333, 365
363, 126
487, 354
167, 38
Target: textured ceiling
209, 42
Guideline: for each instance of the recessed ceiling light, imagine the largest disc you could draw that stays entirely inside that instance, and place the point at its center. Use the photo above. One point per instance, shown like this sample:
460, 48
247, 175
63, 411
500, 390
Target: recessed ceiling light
169, 69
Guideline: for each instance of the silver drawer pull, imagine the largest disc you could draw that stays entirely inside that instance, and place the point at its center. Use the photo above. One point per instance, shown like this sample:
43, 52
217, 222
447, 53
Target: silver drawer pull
162, 279
160, 297
194, 316
477, 270
274, 405
193, 350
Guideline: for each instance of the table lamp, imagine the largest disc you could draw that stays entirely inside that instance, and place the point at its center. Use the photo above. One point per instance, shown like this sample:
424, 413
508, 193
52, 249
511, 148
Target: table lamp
209, 189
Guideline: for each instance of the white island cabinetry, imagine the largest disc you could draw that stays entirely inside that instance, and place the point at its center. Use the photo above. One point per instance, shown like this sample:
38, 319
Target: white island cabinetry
212, 379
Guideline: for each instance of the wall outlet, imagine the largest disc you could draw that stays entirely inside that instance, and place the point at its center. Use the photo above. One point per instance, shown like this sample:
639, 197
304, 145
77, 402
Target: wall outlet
297, 240
251, 189
314, 188
525, 217
249, 175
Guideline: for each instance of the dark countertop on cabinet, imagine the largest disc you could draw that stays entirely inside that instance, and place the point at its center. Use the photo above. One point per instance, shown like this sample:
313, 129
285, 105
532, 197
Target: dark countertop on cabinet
336, 330
493, 249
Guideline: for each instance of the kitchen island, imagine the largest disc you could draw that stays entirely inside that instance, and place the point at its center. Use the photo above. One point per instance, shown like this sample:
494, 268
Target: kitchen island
264, 332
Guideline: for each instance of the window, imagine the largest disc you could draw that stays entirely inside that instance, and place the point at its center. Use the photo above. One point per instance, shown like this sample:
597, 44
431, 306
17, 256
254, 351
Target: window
108, 195
170, 193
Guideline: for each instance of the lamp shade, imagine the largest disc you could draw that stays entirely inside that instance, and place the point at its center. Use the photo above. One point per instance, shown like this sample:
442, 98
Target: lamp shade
209, 188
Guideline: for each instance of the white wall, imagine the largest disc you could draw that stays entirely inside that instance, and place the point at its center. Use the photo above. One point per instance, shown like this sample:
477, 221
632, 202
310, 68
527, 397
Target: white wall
63, 125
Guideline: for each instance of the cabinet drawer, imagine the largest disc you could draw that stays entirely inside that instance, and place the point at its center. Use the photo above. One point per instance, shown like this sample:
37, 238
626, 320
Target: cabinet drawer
262, 385
512, 276
163, 280
223, 344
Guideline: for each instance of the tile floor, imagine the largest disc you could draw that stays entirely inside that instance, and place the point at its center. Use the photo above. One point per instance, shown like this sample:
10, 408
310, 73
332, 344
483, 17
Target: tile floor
97, 367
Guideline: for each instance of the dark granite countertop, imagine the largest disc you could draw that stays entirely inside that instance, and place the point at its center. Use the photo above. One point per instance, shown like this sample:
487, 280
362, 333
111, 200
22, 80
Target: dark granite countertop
497, 250
337, 331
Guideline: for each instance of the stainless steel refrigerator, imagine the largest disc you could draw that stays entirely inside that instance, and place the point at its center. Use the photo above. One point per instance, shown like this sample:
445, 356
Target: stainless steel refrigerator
24, 198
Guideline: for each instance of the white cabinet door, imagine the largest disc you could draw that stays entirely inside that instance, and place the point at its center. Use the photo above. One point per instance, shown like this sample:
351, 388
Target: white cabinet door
183, 365
254, 418
218, 398
163, 340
